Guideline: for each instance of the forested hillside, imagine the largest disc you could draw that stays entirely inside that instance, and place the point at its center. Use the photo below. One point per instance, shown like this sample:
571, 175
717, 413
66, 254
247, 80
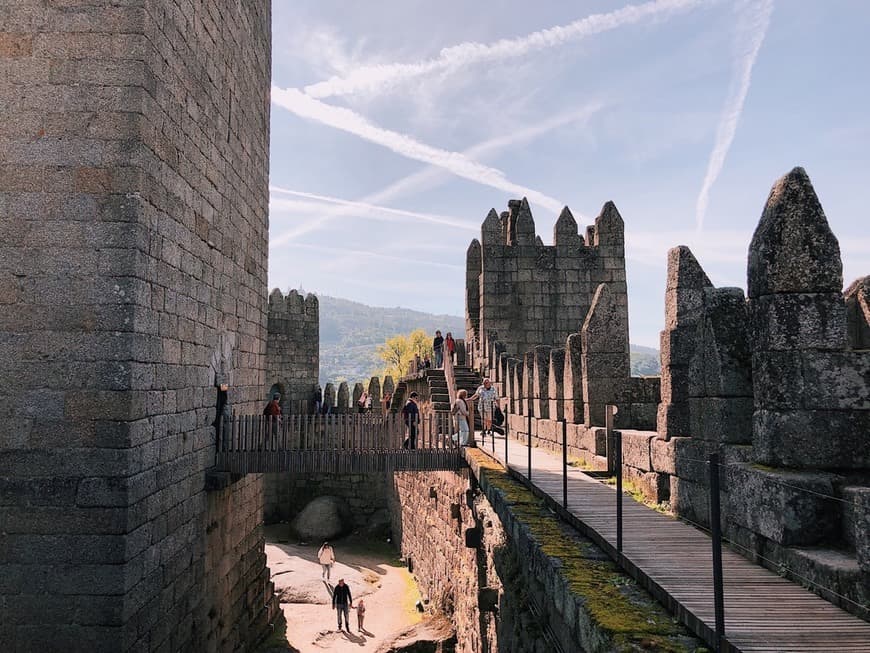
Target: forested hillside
350, 331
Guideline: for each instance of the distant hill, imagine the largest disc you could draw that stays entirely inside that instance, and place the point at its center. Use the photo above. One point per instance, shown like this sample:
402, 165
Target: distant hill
350, 331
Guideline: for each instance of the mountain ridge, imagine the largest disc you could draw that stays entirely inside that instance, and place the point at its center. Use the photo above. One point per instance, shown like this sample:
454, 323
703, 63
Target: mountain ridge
350, 331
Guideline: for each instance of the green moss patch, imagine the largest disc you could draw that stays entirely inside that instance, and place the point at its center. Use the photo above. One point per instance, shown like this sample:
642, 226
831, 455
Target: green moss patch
612, 600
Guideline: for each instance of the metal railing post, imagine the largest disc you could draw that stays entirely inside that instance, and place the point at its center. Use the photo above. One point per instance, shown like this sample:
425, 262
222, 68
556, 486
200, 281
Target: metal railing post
618, 456
716, 540
564, 463
506, 433
529, 437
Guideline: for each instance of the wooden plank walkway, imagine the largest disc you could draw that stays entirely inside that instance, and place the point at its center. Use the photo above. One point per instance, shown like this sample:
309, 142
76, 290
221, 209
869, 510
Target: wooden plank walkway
763, 612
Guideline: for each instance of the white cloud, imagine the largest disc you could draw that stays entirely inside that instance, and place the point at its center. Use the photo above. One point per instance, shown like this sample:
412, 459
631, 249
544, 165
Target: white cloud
752, 29
377, 77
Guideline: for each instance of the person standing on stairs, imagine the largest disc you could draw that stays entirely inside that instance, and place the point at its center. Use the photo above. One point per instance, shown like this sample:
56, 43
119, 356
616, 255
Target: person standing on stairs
486, 396
450, 346
438, 348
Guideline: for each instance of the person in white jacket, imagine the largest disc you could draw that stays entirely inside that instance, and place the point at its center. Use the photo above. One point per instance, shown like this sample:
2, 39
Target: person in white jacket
326, 557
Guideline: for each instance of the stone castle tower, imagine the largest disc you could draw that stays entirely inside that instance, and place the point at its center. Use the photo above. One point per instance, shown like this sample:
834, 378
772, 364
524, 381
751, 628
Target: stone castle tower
134, 221
293, 348
530, 294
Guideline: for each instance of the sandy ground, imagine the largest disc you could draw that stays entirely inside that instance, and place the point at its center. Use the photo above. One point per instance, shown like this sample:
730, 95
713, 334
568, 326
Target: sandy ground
373, 573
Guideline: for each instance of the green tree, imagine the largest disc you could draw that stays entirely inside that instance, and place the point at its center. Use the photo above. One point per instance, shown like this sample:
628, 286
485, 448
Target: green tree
398, 352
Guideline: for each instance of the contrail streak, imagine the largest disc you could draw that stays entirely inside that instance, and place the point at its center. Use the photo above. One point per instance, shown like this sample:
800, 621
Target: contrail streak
752, 30
346, 120
372, 78
372, 208
430, 174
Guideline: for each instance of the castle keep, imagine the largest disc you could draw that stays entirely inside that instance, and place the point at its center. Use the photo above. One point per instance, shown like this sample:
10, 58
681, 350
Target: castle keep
134, 222
534, 294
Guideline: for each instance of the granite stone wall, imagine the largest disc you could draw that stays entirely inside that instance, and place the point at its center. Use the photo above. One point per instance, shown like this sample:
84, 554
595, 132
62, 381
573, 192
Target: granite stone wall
293, 350
287, 494
133, 217
775, 383
431, 515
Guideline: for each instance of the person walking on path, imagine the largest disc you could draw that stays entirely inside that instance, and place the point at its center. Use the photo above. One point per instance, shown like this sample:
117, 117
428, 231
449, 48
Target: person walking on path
342, 601
460, 409
326, 557
438, 348
361, 402
450, 346
486, 396
411, 417
317, 399
360, 615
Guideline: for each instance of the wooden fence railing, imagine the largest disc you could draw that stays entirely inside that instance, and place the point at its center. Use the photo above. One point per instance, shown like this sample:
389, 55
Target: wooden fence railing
350, 442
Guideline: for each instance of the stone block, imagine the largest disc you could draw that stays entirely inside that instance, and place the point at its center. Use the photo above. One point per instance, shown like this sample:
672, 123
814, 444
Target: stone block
798, 321
836, 380
690, 459
722, 420
778, 381
672, 420
690, 501
722, 355
812, 439
853, 496
678, 345
645, 390
857, 298
684, 272
790, 508
861, 526
643, 416
607, 365
605, 329
636, 449
793, 249
655, 487
663, 455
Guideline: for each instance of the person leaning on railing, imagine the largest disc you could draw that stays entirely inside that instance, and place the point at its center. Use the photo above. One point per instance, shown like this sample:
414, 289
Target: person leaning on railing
460, 410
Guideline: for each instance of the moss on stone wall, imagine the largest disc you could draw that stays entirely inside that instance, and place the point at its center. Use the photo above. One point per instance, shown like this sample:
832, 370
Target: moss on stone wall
628, 617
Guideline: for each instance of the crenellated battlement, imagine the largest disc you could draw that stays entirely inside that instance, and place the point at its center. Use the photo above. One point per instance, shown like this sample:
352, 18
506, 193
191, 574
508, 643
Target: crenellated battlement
775, 380
293, 348
532, 293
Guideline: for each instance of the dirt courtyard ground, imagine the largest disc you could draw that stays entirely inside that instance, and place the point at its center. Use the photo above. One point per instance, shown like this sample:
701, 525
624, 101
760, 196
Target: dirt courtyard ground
373, 572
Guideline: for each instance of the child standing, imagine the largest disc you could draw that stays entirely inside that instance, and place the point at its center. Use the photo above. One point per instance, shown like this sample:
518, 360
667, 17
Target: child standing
360, 614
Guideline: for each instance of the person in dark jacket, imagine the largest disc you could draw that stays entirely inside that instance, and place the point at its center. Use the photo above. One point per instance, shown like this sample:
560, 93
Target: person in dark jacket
342, 602
411, 417
438, 348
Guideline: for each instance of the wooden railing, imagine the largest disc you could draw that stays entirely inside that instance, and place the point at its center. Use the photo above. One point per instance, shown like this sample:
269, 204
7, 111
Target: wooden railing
353, 442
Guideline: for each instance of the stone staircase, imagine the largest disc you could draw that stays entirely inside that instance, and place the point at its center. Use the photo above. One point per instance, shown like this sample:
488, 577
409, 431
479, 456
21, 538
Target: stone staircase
438, 394
466, 378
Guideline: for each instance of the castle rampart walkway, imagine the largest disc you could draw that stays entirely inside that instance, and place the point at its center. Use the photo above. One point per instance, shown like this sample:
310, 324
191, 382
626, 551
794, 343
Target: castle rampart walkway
339, 443
672, 560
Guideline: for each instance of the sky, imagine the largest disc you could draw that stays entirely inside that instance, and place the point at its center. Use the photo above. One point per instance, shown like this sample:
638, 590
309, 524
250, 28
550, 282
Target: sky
398, 124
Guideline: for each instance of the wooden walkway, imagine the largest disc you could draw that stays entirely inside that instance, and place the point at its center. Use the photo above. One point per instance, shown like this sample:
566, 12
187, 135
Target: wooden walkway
671, 559
340, 443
